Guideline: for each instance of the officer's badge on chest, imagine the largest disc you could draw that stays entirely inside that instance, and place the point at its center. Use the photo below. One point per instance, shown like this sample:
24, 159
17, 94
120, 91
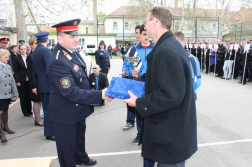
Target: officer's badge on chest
76, 68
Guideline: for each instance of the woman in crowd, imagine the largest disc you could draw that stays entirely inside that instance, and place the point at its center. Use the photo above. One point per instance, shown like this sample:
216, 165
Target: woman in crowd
102, 58
35, 96
7, 86
22, 69
213, 62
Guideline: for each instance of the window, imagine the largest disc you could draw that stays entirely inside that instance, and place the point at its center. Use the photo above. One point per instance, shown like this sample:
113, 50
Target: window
81, 41
177, 27
126, 26
86, 30
114, 25
51, 41
202, 27
90, 46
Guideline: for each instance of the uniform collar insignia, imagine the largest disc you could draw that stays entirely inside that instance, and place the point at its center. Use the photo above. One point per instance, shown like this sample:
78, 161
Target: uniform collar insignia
67, 55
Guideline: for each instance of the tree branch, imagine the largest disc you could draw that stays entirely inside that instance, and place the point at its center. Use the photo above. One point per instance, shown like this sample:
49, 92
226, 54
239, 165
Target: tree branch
46, 8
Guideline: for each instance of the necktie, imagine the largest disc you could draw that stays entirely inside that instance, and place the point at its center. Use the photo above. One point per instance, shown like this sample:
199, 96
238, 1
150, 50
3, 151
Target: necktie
76, 55
96, 82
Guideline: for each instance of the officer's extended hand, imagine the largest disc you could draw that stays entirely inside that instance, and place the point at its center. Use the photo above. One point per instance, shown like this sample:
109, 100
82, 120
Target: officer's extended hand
18, 84
135, 73
106, 98
132, 100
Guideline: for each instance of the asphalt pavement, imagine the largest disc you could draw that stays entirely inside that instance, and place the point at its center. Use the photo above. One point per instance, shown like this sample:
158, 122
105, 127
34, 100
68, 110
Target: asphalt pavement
224, 113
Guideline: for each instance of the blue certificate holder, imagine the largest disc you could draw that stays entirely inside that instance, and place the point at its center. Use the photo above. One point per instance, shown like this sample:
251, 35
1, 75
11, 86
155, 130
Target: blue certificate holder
119, 87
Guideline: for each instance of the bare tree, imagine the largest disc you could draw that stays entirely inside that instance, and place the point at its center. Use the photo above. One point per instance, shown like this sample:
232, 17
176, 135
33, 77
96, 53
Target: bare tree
20, 18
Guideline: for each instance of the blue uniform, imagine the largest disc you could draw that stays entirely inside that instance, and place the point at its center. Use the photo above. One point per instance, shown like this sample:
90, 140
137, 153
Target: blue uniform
40, 58
72, 101
102, 59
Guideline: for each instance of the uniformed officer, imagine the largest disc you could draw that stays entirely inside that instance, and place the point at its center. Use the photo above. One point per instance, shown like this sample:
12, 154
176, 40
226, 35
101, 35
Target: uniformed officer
4, 45
21, 42
72, 99
40, 57
102, 58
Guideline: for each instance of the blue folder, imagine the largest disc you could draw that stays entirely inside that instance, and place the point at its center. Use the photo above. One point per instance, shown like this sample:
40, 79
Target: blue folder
119, 87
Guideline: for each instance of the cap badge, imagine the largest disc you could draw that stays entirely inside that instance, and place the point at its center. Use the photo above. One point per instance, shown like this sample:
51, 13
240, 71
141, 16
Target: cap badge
75, 23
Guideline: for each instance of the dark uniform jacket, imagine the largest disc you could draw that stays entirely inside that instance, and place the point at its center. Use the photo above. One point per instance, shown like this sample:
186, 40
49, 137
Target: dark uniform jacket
169, 128
40, 56
103, 81
102, 59
72, 99
243, 57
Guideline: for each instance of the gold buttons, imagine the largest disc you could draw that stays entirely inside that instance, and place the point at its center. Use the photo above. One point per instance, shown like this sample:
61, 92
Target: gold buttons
80, 73
77, 105
145, 108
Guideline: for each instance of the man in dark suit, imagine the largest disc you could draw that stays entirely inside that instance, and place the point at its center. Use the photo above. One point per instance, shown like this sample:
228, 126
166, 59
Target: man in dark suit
40, 57
13, 52
98, 80
72, 99
169, 128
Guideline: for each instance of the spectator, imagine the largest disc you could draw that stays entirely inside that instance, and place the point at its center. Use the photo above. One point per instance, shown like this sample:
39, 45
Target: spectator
207, 59
102, 58
229, 60
13, 52
7, 85
220, 57
110, 50
21, 75
98, 80
213, 62
35, 96
28, 49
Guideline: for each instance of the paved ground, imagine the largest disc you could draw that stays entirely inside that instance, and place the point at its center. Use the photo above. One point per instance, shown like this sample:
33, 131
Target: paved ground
224, 130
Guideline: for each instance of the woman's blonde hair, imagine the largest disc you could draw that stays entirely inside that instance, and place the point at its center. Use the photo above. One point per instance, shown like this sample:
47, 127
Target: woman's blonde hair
4, 52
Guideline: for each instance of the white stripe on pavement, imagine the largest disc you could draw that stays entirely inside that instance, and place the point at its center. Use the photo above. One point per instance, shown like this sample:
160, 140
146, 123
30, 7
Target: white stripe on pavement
14, 103
139, 151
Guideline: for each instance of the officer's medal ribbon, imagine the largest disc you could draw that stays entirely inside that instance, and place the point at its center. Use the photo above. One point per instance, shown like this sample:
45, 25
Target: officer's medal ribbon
76, 68
67, 55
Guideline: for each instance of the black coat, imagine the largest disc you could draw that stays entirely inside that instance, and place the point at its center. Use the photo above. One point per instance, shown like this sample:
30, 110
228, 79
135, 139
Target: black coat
169, 126
103, 81
20, 71
221, 52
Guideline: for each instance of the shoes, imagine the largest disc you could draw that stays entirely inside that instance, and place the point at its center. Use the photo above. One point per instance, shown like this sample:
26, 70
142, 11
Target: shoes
3, 140
128, 126
223, 78
217, 76
90, 162
51, 138
136, 140
249, 80
37, 124
240, 82
9, 132
228, 79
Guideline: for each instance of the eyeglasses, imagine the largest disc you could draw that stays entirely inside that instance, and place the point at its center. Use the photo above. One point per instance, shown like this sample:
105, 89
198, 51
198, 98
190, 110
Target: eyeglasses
144, 23
94, 68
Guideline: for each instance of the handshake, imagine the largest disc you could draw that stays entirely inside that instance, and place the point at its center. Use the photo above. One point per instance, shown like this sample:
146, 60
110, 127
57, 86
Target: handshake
107, 99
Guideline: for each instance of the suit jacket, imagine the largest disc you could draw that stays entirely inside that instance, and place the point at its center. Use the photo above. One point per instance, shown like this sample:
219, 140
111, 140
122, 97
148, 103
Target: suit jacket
40, 56
102, 59
169, 128
7, 83
71, 99
103, 81
20, 71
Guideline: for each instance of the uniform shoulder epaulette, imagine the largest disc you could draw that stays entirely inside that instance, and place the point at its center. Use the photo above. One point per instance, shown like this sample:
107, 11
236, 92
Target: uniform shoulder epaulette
57, 56
67, 55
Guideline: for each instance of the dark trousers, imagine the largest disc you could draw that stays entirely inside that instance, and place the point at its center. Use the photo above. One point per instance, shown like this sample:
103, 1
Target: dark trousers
207, 66
246, 73
237, 69
131, 115
48, 129
70, 142
25, 97
220, 64
150, 163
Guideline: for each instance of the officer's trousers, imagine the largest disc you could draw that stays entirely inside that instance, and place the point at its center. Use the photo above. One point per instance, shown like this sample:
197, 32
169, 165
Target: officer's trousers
48, 129
70, 142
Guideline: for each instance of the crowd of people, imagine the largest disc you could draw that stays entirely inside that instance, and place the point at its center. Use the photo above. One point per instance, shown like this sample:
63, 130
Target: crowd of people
224, 59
